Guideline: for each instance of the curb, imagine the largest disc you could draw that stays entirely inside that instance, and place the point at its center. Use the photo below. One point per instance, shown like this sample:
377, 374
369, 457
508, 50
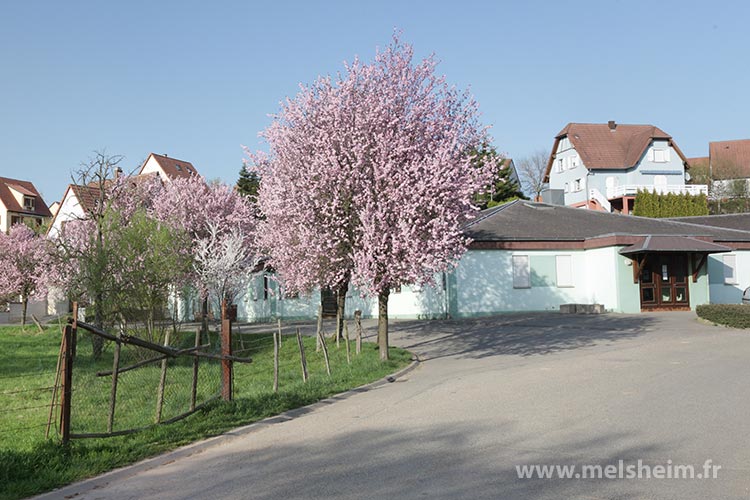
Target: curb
88, 485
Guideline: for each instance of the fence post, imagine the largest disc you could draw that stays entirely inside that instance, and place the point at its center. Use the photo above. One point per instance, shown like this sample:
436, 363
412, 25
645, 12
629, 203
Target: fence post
322, 339
358, 326
194, 388
115, 375
302, 359
346, 339
162, 382
75, 329
226, 350
66, 393
318, 344
276, 348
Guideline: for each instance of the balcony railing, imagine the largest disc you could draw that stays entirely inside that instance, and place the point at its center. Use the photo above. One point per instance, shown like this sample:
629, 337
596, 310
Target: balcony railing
632, 189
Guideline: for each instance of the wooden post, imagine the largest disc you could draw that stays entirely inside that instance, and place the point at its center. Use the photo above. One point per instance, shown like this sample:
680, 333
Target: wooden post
338, 329
115, 375
162, 383
276, 348
302, 359
54, 389
322, 339
66, 393
318, 345
226, 350
346, 339
358, 327
75, 328
194, 388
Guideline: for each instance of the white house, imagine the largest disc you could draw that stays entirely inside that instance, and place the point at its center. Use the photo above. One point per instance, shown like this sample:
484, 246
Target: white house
603, 165
528, 256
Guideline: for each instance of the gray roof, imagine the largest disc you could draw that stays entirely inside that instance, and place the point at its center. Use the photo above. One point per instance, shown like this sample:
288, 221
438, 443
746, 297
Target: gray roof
727, 221
651, 244
530, 221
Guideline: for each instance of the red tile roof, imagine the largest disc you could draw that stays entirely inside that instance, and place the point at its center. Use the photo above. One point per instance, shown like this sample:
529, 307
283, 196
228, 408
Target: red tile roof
173, 167
698, 160
730, 159
87, 196
26, 188
615, 146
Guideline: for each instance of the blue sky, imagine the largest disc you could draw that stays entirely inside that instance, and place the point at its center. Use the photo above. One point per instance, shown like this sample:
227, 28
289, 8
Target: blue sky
197, 79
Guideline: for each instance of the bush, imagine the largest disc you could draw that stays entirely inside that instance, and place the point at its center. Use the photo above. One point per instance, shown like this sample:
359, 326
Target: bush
733, 315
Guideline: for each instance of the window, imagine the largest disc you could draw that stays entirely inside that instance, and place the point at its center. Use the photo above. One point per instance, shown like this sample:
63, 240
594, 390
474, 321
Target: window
660, 155
521, 272
566, 188
14, 219
28, 202
178, 167
574, 161
577, 185
730, 269
560, 167
564, 270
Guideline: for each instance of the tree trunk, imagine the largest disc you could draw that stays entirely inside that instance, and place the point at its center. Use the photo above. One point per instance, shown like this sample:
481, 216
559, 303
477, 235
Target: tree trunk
97, 342
25, 300
383, 324
340, 310
204, 317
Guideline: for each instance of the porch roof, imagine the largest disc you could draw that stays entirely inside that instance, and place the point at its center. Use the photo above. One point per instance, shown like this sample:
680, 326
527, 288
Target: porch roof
682, 244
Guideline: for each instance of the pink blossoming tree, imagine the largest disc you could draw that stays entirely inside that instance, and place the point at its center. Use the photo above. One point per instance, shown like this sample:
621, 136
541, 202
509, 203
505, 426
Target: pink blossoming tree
221, 228
369, 179
25, 263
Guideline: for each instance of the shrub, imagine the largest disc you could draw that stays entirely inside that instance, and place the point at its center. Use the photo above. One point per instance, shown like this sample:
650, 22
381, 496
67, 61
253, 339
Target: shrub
733, 315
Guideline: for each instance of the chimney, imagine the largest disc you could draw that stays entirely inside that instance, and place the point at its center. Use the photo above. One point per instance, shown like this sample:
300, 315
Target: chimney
612, 125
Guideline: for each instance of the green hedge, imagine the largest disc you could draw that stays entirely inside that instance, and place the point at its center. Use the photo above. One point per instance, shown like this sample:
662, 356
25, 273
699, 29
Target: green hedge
734, 315
648, 204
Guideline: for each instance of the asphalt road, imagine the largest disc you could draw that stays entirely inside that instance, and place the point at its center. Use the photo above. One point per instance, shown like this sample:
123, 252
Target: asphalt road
491, 395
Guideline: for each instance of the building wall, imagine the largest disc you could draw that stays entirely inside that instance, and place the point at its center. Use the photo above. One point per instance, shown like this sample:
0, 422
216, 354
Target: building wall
152, 166
728, 293
69, 210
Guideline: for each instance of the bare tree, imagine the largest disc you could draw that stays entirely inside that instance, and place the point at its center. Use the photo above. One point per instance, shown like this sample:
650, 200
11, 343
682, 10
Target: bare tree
531, 170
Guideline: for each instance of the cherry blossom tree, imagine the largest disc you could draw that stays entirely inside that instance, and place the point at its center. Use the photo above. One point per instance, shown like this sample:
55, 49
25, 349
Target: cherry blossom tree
369, 179
221, 228
25, 263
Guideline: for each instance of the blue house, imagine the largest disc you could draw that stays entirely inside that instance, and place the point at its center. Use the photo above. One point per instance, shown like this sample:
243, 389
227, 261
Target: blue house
602, 166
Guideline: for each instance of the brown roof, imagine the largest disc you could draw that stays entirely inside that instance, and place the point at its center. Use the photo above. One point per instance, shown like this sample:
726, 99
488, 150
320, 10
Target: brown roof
174, 167
87, 196
28, 189
730, 159
602, 147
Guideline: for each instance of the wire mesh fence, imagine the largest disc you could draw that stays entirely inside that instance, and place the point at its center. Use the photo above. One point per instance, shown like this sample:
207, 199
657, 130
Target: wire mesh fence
132, 387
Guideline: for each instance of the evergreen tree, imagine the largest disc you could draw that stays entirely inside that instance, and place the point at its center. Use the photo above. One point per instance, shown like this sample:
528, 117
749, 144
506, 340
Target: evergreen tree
503, 188
248, 183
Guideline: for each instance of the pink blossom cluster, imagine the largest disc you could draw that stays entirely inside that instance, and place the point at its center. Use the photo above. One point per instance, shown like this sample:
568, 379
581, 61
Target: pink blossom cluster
368, 180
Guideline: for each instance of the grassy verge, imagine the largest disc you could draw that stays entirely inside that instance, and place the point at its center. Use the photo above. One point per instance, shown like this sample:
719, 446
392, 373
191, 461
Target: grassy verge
30, 464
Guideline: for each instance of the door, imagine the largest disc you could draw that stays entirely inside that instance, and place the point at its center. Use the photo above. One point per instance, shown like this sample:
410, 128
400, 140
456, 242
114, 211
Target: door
328, 302
664, 282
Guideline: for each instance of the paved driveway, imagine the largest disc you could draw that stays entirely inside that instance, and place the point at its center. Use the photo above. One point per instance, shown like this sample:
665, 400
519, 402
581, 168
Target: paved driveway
493, 394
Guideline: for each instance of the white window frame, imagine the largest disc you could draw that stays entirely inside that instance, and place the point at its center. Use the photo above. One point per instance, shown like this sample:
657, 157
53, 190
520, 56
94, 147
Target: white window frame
730, 264
521, 271
661, 153
564, 271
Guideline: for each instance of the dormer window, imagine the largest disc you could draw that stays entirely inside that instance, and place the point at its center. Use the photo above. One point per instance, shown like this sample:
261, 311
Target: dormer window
660, 155
28, 203
178, 167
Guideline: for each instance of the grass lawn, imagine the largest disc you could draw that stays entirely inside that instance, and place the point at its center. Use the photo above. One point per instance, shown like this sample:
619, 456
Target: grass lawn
29, 464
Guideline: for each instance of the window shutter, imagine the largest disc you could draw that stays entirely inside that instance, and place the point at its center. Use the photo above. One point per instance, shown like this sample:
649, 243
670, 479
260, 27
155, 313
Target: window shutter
521, 272
730, 269
651, 154
564, 268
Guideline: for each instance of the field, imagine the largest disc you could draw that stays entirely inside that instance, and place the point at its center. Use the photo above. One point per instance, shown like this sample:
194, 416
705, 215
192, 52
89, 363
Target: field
30, 464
